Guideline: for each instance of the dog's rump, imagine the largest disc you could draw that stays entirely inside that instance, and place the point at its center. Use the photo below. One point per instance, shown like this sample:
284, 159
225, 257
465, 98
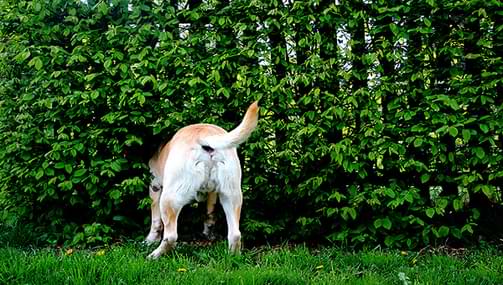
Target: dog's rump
207, 136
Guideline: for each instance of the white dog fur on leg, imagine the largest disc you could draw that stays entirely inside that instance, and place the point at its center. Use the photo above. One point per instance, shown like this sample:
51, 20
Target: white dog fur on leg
199, 158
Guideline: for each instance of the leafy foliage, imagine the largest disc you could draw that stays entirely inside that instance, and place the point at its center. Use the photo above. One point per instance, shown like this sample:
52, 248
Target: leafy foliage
381, 122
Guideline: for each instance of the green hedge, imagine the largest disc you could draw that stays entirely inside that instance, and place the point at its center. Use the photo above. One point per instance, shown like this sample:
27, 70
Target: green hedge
381, 121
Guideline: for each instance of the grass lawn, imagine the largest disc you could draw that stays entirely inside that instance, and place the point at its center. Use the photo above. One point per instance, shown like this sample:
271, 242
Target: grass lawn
190, 264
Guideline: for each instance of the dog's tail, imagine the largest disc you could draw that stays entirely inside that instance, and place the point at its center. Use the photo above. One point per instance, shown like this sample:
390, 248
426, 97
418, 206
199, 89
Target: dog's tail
237, 135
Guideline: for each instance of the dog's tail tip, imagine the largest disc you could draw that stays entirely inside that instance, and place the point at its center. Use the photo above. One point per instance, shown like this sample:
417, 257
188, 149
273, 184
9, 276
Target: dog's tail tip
254, 106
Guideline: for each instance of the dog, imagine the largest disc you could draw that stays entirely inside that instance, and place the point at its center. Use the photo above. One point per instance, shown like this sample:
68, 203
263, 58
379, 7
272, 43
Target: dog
199, 159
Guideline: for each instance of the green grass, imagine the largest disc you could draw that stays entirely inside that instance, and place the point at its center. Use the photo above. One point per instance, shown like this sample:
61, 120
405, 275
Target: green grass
188, 264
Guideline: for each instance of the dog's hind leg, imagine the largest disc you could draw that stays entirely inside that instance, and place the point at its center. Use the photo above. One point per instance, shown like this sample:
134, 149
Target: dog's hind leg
156, 227
170, 210
209, 223
231, 203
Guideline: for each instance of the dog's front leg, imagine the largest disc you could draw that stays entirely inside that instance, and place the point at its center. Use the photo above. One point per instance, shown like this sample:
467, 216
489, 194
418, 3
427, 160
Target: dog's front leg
156, 227
169, 214
209, 223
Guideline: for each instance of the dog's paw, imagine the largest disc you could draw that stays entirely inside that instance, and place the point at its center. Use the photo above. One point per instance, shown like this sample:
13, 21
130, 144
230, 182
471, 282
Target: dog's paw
163, 248
154, 255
